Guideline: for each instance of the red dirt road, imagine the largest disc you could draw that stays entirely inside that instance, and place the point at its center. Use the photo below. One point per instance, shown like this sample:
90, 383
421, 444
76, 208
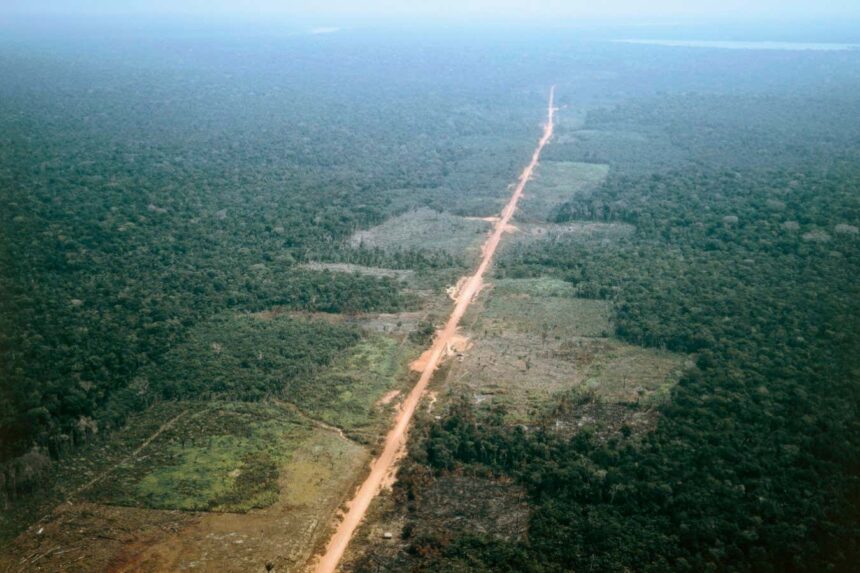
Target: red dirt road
395, 440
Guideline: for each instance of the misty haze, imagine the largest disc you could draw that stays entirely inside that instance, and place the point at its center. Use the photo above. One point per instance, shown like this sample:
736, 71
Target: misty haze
456, 286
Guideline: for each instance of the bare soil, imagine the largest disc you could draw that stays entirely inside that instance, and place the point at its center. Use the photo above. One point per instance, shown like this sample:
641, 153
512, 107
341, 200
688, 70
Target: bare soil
395, 440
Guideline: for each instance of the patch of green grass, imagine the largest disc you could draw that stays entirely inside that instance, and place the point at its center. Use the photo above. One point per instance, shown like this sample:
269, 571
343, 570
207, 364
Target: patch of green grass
624, 373
223, 458
551, 317
399, 274
349, 388
586, 233
204, 477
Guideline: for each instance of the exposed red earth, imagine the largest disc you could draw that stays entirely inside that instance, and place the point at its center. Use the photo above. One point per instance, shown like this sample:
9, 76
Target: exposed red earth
395, 440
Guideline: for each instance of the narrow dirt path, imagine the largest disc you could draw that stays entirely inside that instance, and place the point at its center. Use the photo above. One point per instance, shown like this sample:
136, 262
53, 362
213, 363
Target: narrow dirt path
315, 421
164, 427
395, 440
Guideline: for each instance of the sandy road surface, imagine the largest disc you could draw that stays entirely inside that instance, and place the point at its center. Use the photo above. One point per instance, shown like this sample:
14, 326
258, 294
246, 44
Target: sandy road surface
395, 439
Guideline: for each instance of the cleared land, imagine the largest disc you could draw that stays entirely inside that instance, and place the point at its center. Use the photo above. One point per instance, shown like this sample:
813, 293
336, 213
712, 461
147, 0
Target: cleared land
254, 483
230, 485
555, 183
404, 275
534, 342
547, 358
450, 504
528, 233
426, 229
219, 458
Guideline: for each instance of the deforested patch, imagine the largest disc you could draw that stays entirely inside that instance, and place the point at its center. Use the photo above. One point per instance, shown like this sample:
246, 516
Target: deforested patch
584, 231
425, 228
400, 274
555, 183
426, 512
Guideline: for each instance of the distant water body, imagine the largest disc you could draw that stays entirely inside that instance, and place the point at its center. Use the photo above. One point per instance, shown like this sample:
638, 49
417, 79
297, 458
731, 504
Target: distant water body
805, 46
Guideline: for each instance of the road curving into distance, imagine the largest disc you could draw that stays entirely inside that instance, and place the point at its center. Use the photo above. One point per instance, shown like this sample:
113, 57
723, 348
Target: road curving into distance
395, 440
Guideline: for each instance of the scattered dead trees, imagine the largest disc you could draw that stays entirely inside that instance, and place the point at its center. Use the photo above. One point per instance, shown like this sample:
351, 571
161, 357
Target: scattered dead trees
23, 474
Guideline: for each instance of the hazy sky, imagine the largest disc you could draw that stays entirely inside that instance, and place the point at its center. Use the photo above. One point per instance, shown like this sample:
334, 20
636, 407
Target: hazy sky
448, 9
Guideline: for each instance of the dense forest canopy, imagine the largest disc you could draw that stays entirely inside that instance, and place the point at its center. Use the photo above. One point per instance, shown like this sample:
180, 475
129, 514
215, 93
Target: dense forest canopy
150, 189
159, 188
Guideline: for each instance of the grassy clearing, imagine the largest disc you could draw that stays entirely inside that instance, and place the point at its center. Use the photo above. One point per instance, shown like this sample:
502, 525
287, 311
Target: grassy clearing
550, 317
346, 392
514, 369
223, 457
535, 342
315, 467
425, 229
320, 469
555, 183
398, 325
544, 307
623, 373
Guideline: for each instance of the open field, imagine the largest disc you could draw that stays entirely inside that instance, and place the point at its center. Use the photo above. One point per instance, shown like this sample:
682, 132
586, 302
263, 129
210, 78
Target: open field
286, 476
534, 343
348, 391
284, 534
425, 228
221, 457
590, 232
396, 324
527, 306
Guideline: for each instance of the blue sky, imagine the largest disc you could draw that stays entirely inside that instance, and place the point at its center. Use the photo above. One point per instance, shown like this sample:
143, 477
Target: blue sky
450, 9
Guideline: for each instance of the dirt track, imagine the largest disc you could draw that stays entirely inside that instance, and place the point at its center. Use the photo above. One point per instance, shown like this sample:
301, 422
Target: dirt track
395, 439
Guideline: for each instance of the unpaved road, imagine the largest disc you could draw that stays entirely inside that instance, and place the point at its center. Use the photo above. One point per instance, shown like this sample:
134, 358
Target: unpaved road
395, 440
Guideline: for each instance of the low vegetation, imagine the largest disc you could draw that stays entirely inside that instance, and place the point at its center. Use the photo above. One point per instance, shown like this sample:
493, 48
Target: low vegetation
423, 228
223, 457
